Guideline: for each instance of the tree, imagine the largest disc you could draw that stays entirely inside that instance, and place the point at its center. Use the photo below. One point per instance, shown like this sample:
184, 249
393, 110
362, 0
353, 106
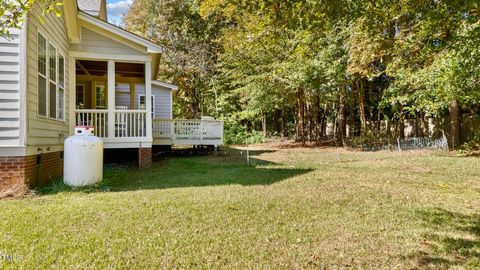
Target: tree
13, 12
190, 49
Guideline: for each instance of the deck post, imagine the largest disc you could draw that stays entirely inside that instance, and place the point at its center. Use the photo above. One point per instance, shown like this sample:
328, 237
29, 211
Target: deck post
72, 95
111, 98
148, 97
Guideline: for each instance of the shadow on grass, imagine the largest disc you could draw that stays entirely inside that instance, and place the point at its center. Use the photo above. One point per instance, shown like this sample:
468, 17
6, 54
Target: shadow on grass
455, 240
188, 170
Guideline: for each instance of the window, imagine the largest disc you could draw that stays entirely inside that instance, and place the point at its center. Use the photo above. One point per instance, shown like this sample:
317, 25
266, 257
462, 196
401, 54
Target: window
42, 75
51, 80
61, 87
52, 64
79, 96
142, 105
100, 95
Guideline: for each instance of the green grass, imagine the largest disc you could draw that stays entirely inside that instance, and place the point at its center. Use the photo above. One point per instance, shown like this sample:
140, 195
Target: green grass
292, 208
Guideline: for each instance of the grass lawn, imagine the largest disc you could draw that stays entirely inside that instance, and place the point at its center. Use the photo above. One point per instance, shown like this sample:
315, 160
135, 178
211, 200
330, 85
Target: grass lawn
292, 208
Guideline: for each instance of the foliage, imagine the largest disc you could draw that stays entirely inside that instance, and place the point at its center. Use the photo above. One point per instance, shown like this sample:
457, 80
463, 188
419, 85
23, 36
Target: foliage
190, 49
236, 133
297, 62
473, 144
13, 12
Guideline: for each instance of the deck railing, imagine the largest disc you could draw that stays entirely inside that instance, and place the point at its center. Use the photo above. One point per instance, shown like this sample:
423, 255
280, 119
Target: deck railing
96, 118
127, 123
188, 129
133, 124
130, 124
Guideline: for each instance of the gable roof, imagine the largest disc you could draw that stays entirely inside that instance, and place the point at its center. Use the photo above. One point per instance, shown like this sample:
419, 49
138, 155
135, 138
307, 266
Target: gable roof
151, 47
172, 87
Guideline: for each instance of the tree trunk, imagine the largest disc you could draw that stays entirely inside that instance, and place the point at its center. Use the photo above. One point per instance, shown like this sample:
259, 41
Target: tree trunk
401, 126
342, 123
283, 124
264, 125
353, 116
276, 122
455, 124
424, 132
361, 106
301, 115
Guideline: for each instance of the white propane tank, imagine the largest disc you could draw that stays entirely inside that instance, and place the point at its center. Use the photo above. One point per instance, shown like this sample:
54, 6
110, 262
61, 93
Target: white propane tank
83, 158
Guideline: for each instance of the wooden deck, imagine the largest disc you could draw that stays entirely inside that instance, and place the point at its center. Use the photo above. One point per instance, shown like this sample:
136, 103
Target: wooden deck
187, 132
129, 129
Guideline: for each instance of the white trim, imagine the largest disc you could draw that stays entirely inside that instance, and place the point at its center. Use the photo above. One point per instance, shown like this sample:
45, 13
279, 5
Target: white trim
22, 150
171, 105
166, 85
131, 144
50, 42
72, 80
106, 56
23, 83
151, 47
12, 151
60, 54
148, 94
152, 97
110, 98
106, 94
45, 76
49, 81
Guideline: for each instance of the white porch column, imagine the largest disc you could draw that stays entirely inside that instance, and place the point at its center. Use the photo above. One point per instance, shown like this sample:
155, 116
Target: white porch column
111, 98
72, 93
148, 97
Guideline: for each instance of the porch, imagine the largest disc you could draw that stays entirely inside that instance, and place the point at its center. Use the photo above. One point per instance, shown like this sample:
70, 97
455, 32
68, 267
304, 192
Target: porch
130, 128
129, 110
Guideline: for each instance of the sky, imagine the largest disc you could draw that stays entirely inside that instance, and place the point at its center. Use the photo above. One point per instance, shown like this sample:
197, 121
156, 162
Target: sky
115, 10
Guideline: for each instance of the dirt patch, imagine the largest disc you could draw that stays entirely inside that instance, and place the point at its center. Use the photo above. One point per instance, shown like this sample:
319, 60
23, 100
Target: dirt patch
15, 192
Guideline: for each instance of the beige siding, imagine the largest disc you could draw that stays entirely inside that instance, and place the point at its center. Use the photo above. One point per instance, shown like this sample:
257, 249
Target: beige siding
96, 43
40, 130
10, 89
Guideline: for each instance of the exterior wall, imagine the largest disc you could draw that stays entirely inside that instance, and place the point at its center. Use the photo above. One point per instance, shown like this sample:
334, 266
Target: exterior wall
17, 174
12, 176
41, 130
10, 88
163, 100
97, 43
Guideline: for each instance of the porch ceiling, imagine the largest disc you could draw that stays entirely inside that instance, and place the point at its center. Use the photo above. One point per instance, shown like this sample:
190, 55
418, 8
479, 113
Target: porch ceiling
99, 68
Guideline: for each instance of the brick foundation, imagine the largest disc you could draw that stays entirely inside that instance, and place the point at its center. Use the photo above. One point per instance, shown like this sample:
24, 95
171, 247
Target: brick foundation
144, 157
17, 174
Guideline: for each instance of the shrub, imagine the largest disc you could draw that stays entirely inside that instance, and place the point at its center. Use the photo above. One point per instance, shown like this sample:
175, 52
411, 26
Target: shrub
235, 133
473, 144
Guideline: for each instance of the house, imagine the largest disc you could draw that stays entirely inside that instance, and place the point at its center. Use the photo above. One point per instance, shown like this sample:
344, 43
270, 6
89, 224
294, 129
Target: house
78, 69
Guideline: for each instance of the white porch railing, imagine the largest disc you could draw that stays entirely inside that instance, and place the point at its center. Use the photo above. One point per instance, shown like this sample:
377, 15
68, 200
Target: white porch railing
188, 129
127, 123
130, 124
96, 118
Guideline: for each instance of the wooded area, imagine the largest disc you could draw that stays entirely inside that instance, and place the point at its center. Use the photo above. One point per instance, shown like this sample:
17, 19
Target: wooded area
288, 68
